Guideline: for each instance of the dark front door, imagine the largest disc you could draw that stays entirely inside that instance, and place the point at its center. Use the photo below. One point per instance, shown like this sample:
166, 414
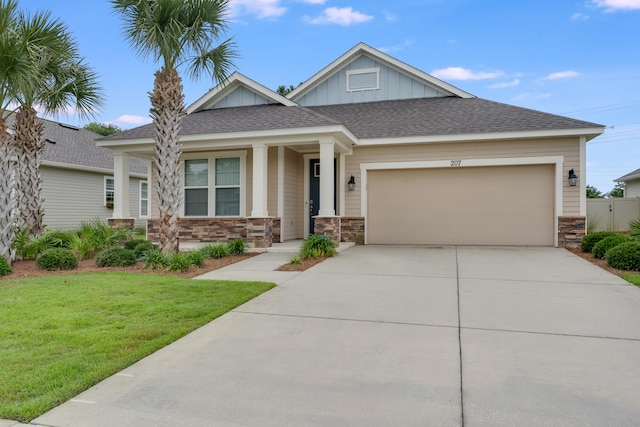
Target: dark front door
314, 190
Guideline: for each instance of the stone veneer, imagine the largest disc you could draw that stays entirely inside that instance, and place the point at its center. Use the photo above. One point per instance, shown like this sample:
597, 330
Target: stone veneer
257, 232
329, 226
571, 230
352, 230
277, 230
127, 223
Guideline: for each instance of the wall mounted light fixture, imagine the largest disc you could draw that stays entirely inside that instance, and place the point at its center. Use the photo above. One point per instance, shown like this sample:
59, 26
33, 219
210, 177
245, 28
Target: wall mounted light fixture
352, 183
572, 178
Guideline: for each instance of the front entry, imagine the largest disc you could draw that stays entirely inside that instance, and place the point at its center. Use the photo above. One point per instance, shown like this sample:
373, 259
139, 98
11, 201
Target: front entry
314, 190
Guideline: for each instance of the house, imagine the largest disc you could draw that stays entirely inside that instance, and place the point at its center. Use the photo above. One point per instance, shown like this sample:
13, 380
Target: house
375, 151
631, 183
78, 183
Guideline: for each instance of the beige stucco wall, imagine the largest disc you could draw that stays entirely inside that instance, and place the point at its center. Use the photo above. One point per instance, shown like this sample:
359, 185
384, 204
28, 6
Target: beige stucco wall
569, 148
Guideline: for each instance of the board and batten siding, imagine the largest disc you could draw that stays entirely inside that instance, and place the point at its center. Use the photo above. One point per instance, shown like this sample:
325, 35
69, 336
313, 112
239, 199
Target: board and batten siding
393, 85
569, 148
241, 97
73, 196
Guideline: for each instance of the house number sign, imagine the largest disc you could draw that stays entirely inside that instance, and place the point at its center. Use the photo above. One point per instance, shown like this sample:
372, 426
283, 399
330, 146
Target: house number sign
455, 163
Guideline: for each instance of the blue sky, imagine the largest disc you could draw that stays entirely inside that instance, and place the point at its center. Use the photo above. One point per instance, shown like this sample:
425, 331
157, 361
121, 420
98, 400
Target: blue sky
579, 58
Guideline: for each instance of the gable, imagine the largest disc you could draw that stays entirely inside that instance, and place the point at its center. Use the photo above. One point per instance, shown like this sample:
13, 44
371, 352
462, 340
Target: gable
364, 74
241, 97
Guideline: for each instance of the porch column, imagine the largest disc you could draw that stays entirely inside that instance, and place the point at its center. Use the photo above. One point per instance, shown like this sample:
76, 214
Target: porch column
121, 186
327, 186
260, 161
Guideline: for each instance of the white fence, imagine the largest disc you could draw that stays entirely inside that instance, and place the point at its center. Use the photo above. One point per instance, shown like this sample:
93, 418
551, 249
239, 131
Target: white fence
612, 214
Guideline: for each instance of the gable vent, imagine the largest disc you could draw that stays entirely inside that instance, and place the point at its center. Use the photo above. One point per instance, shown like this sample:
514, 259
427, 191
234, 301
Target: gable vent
367, 79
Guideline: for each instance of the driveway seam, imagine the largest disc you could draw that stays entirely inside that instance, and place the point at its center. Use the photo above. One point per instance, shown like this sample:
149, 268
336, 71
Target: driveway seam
559, 334
622, 285
459, 339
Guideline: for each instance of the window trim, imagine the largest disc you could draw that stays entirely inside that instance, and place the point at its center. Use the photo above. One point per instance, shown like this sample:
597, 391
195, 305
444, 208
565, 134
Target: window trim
140, 199
211, 157
105, 190
350, 73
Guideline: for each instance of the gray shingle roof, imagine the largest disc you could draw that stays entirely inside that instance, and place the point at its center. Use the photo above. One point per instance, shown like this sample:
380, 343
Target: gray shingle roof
631, 175
77, 147
383, 119
443, 116
238, 119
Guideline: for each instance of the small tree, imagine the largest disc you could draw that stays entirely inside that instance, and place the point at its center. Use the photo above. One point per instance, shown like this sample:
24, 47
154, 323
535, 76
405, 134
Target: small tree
103, 129
594, 193
617, 191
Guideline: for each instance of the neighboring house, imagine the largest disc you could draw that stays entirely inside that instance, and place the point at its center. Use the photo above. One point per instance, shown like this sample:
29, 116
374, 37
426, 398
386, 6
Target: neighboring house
631, 183
78, 182
372, 150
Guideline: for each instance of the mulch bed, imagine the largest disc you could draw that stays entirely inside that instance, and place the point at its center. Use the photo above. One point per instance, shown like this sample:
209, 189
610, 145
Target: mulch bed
599, 262
27, 268
303, 265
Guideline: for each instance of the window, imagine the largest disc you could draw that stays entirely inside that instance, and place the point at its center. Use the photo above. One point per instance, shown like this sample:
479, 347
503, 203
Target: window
144, 199
196, 187
109, 192
367, 79
214, 186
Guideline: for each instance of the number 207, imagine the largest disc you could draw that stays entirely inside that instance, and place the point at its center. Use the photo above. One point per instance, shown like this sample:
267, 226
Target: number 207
456, 163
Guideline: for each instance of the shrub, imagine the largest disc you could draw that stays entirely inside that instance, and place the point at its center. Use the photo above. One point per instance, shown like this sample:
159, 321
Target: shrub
116, 257
215, 250
317, 245
144, 247
5, 268
29, 246
591, 239
196, 258
625, 256
600, 249
131, 244
56, 259
295, 260
634, 228
82, 248
237, 247
179, 262
102, 235
154, 259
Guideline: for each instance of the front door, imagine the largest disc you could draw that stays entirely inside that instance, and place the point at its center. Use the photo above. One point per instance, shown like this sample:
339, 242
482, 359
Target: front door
314, 190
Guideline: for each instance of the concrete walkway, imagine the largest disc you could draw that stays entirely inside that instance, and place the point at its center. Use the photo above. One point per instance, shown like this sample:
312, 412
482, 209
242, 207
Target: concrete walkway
387, 336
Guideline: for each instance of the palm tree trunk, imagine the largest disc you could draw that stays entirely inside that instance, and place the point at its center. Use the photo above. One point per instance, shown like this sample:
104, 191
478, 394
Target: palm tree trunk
167, 111
6, 196
29, 148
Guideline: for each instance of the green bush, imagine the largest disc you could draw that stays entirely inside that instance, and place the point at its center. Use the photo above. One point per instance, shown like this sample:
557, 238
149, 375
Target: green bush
56, 259
634, 228
237, 247
179, 262
153, 259
196, 258
116, 257
131, 244
5, 268
317, 245
215, 250
591, 239
600, 249
295, 260
142, 248
625, 256
29, 246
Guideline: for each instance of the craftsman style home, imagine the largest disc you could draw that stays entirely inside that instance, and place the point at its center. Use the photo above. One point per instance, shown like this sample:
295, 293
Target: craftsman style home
374, 151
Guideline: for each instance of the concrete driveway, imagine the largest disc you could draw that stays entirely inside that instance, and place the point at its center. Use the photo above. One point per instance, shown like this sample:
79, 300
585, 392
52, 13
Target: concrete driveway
398, 336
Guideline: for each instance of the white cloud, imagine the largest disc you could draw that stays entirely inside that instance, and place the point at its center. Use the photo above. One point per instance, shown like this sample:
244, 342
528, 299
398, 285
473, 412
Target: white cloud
562, 75
313, 1
617, 5
459, 73
579, 17
341, 16
528, 95
503, 85
396, 48
127, 119
259, 8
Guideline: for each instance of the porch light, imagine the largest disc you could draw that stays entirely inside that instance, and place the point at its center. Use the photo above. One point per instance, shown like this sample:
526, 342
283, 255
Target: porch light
352, 183
573, 178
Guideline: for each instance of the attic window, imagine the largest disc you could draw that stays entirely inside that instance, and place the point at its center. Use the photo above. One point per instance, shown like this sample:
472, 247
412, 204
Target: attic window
72, 127
366, 79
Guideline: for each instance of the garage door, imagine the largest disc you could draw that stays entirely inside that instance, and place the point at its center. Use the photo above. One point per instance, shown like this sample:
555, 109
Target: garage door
505, 205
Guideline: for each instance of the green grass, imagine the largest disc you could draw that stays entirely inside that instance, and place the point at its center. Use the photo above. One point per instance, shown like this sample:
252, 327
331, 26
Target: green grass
59, 335
632, 278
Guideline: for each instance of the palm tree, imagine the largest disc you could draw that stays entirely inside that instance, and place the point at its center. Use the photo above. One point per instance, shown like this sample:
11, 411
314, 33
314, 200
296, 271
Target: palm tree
176, 33
59, 80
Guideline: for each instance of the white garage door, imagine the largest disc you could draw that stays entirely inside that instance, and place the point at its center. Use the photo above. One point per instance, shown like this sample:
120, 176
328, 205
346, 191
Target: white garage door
504, 205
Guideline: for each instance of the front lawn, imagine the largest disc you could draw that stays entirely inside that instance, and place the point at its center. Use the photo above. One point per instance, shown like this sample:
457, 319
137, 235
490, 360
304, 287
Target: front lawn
59, 335
632, 278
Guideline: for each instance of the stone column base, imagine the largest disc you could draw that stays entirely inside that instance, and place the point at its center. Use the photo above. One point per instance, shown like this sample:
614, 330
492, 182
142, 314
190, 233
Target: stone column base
329, 226
571, 230
352, 230
127, 223
259, 232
